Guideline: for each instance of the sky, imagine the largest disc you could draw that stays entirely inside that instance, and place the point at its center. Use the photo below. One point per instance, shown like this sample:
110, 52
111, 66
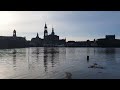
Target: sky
72, 25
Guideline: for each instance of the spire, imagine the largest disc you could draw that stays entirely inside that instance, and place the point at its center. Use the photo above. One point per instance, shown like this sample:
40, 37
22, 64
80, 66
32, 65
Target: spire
37, 36
45, 30
45, 25
53, 31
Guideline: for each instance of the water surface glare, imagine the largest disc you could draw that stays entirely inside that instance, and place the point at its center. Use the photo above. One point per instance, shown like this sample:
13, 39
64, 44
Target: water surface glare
58, 62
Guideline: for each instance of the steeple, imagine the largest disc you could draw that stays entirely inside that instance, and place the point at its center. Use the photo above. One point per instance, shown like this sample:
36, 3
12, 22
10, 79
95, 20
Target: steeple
52, 28
53, 33
45, 30
37, 36
45, 25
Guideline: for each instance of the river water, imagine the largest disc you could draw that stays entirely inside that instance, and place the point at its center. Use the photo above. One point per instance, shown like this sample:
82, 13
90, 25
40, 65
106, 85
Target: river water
55, 62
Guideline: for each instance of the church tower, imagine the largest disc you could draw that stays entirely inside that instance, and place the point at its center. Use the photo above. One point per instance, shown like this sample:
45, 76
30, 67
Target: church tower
14, 33
45, 30
37, 36
53, 33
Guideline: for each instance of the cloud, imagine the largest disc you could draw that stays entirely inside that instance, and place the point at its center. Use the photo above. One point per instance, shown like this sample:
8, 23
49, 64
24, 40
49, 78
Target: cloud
70, 24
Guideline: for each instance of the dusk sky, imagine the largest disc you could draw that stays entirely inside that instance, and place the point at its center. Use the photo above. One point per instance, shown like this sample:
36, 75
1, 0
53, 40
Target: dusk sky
72, 25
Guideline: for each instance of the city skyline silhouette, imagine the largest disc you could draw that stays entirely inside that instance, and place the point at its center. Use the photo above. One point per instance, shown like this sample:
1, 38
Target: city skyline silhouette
74, 25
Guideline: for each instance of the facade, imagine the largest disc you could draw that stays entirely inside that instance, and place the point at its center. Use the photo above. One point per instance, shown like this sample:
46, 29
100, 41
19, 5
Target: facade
12, 41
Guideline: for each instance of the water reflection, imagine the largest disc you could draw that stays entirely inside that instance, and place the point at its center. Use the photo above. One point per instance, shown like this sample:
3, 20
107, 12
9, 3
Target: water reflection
37, 53
54, 56
14, 58
88, 51
28, 54
51, 55
54, 62
107, 53
94, 51
110, 52
45, 58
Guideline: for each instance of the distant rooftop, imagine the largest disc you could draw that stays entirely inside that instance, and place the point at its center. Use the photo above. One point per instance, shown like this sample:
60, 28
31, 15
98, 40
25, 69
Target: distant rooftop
110, 36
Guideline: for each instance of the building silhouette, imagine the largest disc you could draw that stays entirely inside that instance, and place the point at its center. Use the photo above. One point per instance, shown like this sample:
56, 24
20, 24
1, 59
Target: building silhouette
108, 41
12, 41
87, 43
49, 40
36, 42
53, 40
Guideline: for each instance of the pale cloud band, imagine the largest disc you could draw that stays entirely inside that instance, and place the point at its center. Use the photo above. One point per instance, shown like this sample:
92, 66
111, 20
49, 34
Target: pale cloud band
79, 25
